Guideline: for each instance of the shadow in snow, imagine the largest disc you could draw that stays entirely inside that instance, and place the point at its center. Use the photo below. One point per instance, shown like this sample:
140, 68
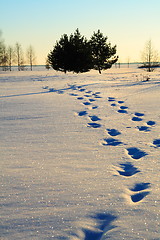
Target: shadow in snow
122, 111
156, 142
86, 103
94, 118
151, 123
94, 125
111, 142
143, 128
23, 94
120, 102
113, 132
82, 113
80, 98
138, 196
113, 105
136, 153
123, 107
139, 114
140, 187
94, 107
111, 99
136, 119
95, 227
128, 169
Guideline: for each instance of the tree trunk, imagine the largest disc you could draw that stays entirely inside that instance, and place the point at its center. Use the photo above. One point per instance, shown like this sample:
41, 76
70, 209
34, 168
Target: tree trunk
99, 70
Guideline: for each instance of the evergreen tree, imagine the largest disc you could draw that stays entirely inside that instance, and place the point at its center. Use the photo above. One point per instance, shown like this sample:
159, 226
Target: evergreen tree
71, 54
102, 52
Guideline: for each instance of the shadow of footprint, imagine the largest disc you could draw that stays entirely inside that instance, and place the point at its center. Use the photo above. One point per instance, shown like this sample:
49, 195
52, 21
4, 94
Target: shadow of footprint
111, 99
94, 118
82, 113
94, 107
111, 142
138, 196
156, 142
86, 103
92, 100
137, 119
140, 187
128, 169
123, 107
94, 125
138, 114
113, 132
143, 128
80, 98
136, 153
151, 123
96, 226
122, 111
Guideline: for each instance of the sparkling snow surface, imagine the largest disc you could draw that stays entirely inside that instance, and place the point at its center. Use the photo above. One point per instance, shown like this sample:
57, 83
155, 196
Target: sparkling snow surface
80, 155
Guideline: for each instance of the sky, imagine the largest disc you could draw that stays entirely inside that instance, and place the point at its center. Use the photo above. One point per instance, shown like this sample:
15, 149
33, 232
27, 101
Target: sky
129, 24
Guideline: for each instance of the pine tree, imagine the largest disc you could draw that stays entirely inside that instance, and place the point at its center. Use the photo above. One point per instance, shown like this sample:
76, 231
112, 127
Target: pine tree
72, 54
102, 52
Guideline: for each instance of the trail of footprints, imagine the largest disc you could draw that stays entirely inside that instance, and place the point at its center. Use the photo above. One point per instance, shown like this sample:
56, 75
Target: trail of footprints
127, 169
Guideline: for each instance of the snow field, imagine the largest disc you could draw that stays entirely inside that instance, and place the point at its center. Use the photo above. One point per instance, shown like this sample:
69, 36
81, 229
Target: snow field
80, 155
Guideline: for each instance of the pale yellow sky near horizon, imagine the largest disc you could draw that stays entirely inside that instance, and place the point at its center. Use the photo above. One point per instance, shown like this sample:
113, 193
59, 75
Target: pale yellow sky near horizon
128, 24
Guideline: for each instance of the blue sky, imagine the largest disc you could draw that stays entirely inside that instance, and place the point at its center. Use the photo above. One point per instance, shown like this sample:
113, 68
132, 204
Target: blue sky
127, 23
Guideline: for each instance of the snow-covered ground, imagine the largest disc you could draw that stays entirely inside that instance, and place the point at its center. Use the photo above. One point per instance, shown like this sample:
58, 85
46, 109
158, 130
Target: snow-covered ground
80, 155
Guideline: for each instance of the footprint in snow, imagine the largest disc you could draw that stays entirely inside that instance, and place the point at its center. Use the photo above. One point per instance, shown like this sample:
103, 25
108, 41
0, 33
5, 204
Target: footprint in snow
143, 128
80, 98
128, 169
113, 105
94, 107
82, 89
96, 96
94, 125
123, 107
92, 100
122, 111
111, 99
86, 103
94, 227
140, 187
120, 102
113, 132
73, 94
82, 113
88, 91
138, 196
139, 114
111, 142
156, 142
136, 153
151, 123
86, 95
136, 119
94, 118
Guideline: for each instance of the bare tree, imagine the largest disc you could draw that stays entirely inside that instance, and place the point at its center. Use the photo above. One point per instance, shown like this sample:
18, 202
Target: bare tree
149, 57
31, 56
3, 57
10, 53
19, 56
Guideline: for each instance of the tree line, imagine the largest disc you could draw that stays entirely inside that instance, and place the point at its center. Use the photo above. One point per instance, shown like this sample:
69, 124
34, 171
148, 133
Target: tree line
10, 55
76, 54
